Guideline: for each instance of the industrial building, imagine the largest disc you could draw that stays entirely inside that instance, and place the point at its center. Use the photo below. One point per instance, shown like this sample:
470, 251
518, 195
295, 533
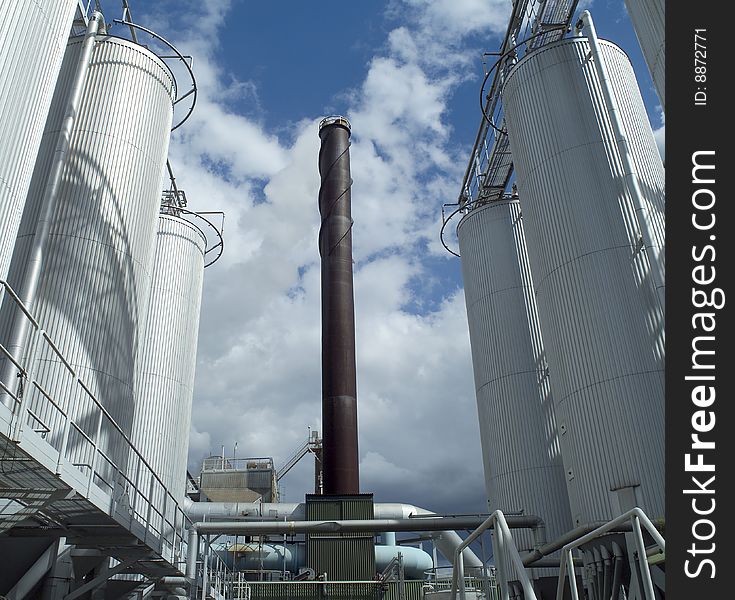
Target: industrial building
560, 228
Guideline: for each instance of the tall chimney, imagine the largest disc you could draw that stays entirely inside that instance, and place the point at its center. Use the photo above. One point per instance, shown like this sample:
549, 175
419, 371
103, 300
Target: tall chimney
339, 382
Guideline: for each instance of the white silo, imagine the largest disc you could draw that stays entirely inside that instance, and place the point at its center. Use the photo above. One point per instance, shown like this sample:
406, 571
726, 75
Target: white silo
595, 289
33, 37
93, 289
521, 455
165, 380
649, 21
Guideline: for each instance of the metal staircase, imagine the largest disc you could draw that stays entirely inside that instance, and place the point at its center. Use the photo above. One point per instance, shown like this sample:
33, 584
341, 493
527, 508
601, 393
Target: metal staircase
58, 479
313, 444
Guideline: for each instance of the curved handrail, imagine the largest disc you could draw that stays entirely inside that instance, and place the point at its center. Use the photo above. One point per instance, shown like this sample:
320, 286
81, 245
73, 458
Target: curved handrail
182, 58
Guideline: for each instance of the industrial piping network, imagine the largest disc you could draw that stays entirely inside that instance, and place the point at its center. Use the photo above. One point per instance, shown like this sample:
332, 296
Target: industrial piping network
262, 518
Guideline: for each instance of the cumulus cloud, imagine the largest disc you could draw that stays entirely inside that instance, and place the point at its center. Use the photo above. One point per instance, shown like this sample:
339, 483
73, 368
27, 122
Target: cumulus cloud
258, 370
454, 19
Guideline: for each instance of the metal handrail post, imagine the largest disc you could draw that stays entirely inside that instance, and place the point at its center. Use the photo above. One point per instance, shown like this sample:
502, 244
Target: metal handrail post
515, 557
562, 576
95, 446
455, 582
501, 574
30, 362
149, 499
642, 559
136, 489
174, 534
64, 441
164, 533
460, 576
573, 576
205, 581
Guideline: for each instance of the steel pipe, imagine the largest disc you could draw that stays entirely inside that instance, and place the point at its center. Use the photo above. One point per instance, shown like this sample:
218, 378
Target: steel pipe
445, 541
655, 256
429, 523
29, 286
351, 526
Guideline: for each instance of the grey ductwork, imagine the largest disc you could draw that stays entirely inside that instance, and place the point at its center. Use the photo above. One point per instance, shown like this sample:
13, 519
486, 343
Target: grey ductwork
446, 541
423, 523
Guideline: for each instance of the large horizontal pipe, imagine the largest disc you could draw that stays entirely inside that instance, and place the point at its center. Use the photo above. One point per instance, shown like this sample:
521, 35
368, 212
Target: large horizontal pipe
272, 511
444, 525
352, 526
445, 541
174, 581
553, 563
531, 559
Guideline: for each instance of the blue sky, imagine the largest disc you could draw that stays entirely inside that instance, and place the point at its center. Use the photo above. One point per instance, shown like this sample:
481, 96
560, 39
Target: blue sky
407, 74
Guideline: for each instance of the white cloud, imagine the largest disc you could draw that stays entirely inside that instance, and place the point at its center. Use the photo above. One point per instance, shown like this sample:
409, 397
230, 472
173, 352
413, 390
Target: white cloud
457, 18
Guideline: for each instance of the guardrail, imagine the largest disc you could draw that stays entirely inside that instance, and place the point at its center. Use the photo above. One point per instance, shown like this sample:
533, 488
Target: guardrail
503, 548
483, 583
221, 463
215, 579
95, 455
636, 516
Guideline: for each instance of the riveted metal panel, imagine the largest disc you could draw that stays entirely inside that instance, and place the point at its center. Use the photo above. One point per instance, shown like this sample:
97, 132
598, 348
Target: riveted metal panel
165, 384
33, 37
602, 322
343, 556
517, 424
93, 291
649, 21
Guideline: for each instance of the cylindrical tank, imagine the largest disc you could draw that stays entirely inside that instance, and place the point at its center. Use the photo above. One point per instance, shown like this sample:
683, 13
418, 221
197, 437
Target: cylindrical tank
518, 431
165, 382
649, 21
275, 557
601, 318
33, 36
93, 290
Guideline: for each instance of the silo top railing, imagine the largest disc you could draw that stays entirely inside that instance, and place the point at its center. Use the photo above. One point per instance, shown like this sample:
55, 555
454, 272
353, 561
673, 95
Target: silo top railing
532, 24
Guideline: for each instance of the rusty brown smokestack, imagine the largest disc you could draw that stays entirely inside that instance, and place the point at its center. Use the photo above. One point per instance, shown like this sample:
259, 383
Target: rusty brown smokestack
339, 381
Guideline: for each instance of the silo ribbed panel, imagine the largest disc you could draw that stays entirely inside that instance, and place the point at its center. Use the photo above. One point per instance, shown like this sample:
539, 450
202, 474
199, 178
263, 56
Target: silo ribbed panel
523, 466
93, 290
602, 324
649, 21
165, 384
33, 37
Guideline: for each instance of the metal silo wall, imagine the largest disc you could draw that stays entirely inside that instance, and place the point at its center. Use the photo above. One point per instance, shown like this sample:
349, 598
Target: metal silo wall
33, 36
602, 323
649, 22
93, 290
165, 383
522, 459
